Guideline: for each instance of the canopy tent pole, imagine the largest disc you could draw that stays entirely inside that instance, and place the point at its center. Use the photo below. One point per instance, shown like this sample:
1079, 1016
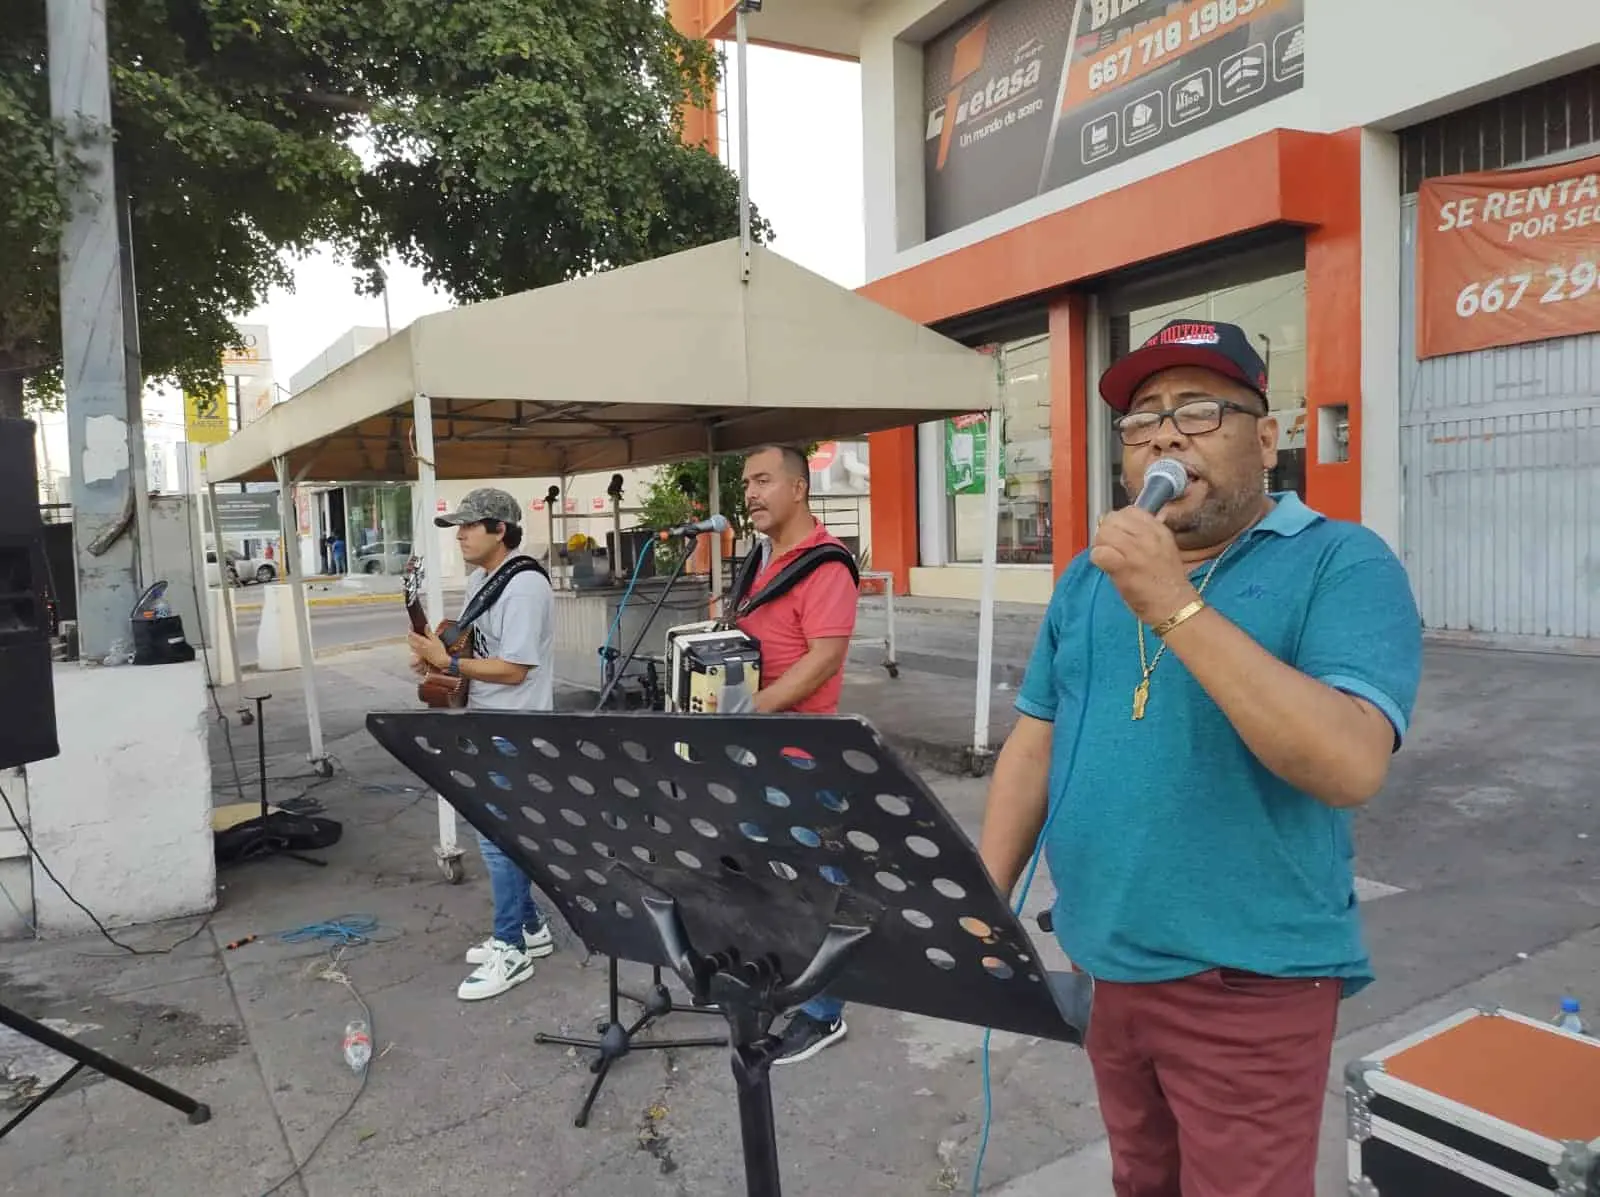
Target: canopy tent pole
289, 537
448, 851
991, 572
230, 626
744, 142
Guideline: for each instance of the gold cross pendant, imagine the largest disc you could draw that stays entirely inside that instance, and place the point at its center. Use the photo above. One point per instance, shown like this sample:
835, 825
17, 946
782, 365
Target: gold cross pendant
1141, 696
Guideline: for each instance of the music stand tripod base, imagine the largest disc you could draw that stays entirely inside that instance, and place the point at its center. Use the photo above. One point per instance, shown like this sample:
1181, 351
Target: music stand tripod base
764, 859
86, 1057
617, 1040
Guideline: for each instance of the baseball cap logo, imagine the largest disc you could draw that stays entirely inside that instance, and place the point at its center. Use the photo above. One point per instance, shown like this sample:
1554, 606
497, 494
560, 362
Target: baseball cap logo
1185, 334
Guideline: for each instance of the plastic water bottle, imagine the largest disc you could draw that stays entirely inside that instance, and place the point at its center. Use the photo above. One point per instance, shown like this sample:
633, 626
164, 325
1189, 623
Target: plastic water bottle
1569, 1019
357, 1046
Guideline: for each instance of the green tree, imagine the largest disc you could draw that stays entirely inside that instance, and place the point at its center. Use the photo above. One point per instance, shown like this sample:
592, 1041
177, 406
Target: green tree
496, 144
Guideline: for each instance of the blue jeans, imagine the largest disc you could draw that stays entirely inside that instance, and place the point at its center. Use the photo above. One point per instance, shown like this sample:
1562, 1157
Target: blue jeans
823, 1008
514, 907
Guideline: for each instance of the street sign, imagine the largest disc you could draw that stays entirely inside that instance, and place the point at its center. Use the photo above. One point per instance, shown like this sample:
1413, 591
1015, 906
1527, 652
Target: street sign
205, 416
247, 515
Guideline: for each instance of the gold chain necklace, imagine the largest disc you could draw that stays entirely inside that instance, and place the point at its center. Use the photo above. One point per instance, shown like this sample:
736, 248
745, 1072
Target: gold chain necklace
1141, 692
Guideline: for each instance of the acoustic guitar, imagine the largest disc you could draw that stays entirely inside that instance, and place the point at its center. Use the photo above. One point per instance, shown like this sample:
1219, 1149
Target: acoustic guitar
436, 689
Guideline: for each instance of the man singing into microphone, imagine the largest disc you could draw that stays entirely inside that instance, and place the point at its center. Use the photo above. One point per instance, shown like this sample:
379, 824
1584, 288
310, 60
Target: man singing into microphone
1215, 688
805, 638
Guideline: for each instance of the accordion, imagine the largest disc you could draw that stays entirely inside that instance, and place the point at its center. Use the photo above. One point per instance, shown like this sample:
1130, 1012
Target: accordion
711, 668
714, 666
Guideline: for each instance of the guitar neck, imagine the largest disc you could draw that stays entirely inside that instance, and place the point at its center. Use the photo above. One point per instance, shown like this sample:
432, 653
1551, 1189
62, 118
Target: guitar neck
418, 617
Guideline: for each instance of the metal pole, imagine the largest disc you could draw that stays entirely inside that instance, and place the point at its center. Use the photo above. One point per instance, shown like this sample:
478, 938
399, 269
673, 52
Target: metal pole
230, 629
991, 572
302, 614
714, 507
448, 854
744, 146
93, 362
138, 460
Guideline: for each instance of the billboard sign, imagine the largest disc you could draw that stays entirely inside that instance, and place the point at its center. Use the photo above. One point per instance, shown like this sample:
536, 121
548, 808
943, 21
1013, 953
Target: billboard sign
248, 515
1025, 96
1508, 257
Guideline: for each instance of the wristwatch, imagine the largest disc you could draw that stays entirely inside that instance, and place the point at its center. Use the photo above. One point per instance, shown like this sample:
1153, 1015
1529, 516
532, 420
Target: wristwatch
455, 667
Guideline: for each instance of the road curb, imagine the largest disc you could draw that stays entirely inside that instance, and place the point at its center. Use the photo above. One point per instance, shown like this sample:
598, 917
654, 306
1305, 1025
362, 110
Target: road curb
336, 600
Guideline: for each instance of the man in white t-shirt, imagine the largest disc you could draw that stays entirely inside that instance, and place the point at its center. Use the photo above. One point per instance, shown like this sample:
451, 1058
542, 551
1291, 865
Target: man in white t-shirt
511, 669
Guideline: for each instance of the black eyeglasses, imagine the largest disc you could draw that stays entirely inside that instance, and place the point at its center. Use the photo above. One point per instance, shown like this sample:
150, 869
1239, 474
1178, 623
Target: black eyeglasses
1195, 418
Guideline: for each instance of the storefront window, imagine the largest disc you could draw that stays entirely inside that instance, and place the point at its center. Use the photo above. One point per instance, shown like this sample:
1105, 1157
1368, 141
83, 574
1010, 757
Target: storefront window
1272, 312
1025, 536
379, 529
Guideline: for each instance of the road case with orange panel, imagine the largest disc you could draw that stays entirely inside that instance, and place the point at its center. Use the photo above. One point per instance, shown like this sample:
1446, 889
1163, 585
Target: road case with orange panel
1486, 1102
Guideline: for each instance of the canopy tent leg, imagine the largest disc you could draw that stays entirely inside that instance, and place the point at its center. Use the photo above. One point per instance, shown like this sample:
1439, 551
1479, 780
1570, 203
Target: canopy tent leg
230, 622
426, 538
991, 573
289, 537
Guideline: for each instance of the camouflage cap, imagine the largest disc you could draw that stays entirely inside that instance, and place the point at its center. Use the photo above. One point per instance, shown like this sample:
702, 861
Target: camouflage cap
485, 503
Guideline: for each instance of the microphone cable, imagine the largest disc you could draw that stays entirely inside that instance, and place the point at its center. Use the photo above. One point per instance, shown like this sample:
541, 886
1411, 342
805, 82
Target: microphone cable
647, 549
1033, 865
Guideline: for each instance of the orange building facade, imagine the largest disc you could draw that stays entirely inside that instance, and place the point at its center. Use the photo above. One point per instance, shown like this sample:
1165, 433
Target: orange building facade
1052, 181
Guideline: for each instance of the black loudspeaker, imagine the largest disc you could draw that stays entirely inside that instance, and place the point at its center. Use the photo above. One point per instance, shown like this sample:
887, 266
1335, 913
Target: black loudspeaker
27, 678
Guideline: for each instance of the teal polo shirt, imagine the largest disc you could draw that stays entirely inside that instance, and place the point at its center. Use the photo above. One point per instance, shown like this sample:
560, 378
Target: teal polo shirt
1173, 849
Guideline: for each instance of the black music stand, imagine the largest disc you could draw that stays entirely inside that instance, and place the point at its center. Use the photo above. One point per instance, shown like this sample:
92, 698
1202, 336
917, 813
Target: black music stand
754, 855
86, 1057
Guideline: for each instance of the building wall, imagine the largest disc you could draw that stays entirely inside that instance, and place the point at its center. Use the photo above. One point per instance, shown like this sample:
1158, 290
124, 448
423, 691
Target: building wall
1323, 159
1369, 63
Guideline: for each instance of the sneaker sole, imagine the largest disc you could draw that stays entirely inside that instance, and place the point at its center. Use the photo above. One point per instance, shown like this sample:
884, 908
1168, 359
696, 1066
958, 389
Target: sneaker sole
825, 1041
475, 957
469, 996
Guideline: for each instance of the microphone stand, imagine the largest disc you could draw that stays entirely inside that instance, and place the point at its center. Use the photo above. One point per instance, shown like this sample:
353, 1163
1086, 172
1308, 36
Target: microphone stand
620, 667
616, 1039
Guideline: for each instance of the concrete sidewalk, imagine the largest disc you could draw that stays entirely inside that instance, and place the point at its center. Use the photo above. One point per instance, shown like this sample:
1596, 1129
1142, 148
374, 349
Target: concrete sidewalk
461, 1101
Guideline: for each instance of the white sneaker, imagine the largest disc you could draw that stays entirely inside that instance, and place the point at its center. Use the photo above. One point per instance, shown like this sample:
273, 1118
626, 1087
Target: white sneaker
505, 968
538, 944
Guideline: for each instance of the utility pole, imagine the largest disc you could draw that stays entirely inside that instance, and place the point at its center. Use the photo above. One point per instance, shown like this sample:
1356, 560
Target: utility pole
101, 438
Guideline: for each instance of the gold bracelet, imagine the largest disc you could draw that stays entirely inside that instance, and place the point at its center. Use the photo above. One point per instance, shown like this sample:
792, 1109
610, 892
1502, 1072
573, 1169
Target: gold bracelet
1187, 613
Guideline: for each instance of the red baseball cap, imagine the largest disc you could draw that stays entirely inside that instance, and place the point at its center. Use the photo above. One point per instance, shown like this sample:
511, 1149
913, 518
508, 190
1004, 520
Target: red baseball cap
1222, 348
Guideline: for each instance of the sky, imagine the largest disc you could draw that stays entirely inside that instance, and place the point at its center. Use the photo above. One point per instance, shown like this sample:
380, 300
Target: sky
809, 188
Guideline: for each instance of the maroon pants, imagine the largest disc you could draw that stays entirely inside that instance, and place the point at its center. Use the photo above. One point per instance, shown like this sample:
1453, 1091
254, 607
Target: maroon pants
1212, 1086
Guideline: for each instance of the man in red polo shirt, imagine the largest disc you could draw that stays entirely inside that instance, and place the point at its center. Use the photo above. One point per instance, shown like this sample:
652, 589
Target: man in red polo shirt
805, 638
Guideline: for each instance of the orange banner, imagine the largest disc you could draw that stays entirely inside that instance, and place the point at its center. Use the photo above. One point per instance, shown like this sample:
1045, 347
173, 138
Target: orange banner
1508, 257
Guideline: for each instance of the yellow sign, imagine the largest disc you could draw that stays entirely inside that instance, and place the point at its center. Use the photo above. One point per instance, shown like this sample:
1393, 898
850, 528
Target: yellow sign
205, 417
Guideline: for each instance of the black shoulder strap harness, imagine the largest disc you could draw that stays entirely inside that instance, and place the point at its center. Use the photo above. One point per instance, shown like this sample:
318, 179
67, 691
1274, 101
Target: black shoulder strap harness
741, 602
495, 587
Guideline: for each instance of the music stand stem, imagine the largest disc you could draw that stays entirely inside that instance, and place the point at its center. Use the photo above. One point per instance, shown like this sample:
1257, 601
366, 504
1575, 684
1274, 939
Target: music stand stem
87, 1057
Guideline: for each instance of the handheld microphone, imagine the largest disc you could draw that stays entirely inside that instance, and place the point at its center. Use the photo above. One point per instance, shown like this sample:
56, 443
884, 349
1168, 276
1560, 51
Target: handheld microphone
717, 523
1164, 481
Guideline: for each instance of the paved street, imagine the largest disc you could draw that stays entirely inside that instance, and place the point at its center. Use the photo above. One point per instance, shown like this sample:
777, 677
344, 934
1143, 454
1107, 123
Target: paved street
1479, 867
332, 627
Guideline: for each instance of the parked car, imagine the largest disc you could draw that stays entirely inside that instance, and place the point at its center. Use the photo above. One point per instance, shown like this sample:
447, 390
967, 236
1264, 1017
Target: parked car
232, 559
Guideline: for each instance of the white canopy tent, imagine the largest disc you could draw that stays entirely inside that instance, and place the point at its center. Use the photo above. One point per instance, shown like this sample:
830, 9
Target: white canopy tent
710, 351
